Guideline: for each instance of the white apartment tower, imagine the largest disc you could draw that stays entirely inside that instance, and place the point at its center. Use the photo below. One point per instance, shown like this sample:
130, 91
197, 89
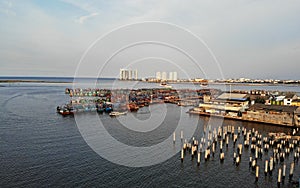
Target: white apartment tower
171, 76
127, 74
164, 76
158, 76
175, 76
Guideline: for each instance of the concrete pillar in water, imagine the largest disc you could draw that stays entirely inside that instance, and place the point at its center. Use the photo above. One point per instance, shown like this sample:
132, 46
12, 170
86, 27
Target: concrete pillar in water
237, 161
221, 146
234, 157
174, 137
234, 138
256, 152
253, 164
292, 170
181, 135
257, 173
193, 150
222, 157
207, 154
198, 159
271, 166
240, 147
266, 167
182, 154
283, 171
227, 140
279, 177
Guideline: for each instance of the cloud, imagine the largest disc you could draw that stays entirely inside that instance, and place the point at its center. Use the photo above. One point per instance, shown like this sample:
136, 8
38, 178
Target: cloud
82, 19
6, 8
242, 34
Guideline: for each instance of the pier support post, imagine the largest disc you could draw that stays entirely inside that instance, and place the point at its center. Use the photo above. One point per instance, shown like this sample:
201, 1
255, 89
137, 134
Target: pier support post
283, 171
279, 177
266, 167
292, 170
174, 137
256, 173
182, 154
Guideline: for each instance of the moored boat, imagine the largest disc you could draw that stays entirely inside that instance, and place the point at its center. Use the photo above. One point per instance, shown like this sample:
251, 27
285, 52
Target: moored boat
115, 114
133, 107
65, 110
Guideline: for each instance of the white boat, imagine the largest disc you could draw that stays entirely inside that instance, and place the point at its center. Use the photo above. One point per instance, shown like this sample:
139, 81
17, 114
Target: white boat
164, 84
114, 114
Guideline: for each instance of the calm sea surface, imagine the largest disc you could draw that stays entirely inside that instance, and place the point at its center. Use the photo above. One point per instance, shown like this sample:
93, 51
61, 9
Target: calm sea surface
39, 148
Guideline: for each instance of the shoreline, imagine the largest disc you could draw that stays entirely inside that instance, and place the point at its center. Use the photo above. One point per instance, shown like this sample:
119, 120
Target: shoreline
238, 119
31, 81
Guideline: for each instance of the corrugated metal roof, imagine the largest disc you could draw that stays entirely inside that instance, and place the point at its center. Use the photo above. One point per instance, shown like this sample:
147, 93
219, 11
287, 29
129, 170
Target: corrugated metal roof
232, 96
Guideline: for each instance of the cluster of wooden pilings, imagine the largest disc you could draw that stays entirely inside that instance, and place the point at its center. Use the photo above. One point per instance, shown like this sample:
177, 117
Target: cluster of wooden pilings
278, 153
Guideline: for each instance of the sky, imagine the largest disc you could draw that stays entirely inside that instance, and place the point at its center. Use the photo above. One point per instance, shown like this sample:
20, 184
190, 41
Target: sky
245, 38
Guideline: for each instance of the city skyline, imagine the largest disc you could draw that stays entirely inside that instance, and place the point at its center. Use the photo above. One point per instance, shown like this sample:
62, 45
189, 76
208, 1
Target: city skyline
253, 39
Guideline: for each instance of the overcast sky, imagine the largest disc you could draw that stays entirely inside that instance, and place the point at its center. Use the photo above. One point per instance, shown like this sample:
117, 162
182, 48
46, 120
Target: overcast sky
252, 39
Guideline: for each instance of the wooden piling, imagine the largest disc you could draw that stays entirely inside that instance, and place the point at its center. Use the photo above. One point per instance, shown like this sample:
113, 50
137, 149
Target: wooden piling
256, 152
271, 166
266, 167
181, 135
257, 173
227, 141
279, 177
234, 138
222, 155
174, 137
207, 154
253, 164
283, 171
240, 148
237, 161
234, 157
221, 146
292, 170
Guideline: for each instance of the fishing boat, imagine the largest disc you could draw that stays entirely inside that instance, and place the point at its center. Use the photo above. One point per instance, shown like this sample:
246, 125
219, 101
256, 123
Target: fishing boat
164, 84
65, 111
108, 107
133, 107
100, 108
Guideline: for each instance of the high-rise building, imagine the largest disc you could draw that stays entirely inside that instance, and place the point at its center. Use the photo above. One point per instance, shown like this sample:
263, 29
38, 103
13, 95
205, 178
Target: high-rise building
175, 76
164, 76
158, 76
171, 76
127, 74
135, 74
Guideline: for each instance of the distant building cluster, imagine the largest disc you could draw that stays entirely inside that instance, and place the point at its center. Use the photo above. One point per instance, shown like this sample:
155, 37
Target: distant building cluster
128, 74
247, 80
164, 76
